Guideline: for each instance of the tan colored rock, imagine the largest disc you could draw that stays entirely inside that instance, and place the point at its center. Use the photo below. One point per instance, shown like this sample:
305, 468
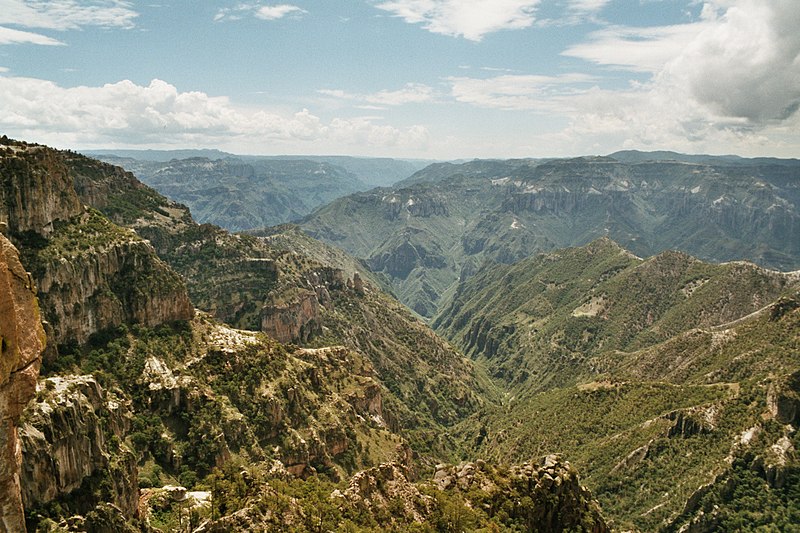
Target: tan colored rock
21, 343
68, 436
39, 191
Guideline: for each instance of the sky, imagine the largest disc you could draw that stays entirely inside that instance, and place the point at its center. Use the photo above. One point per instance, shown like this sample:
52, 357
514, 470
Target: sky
429, 79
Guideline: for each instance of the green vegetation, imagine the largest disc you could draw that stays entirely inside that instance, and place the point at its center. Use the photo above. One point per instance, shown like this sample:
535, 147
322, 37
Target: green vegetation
439, 225
671, 384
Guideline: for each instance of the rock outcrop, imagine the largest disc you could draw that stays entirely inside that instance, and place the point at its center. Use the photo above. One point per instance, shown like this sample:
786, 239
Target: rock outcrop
68, 444
105, 287
543, 497
293, 314
35, 189
374, 490
21, 344
92, 275
554, 498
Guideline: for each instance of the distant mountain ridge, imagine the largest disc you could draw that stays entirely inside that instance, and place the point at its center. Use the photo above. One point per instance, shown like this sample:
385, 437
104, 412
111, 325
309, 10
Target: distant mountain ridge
374, 171
443, 222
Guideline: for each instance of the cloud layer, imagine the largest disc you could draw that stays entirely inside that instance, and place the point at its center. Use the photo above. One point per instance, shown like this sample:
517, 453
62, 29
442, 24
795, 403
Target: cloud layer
471, 19
158, 114
257, 10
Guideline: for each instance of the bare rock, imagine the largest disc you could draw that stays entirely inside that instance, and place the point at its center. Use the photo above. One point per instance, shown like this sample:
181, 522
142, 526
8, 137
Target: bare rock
21, 343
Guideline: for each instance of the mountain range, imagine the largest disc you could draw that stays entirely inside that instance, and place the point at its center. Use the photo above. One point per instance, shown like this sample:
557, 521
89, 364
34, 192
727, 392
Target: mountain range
575, 373
442, 223
246, 192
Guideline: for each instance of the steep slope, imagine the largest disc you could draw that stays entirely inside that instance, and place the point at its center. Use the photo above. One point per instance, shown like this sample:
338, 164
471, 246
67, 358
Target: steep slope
549, 317
648, 374
240, 192
21, 344
300, 291
537, 496
92, 274
441, 223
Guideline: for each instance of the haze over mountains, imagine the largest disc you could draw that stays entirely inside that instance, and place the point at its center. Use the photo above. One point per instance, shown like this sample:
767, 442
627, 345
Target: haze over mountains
570, 381
246, 192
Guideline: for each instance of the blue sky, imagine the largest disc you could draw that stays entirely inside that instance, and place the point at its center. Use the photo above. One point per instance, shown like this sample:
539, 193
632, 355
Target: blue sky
432, 79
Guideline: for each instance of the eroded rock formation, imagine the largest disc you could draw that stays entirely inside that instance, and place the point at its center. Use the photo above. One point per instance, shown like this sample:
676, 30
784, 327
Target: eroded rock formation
21, 342
67, 443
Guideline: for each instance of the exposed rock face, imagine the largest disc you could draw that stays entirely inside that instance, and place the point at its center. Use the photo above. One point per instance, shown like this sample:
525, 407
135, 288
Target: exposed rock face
544, 497
91, 274
783, 400
374, 489
558, 502
296, 320
294, 315
123, 283
21, 344
36, 189
66, 441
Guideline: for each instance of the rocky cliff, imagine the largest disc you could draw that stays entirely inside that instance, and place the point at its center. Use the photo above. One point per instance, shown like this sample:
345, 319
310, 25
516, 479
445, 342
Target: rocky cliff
35, 188
72, 448
21, 344
436, 225
92, 275
110, 278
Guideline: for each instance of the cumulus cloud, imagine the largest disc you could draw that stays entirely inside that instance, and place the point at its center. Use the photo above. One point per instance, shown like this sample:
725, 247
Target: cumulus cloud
731, 78
411, 93
263, 12
471, 19
745, 62
125, 113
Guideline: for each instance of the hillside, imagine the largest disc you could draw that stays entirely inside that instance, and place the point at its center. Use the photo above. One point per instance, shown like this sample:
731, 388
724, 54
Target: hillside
246, 192
301, 393
446, 220
165, 396
655, 376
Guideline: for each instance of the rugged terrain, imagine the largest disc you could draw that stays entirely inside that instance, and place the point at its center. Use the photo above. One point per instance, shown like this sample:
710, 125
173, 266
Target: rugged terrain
240, 192
656, 377
21, 343
301, 394
442, 223
141, 391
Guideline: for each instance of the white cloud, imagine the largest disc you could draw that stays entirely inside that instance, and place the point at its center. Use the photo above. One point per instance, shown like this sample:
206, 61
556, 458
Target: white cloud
263, 12
10, 36
515, 92
279, 11
471, 19
67, 14
746, 60
411, 93
587, 6
125, 113
741, 60
637, 49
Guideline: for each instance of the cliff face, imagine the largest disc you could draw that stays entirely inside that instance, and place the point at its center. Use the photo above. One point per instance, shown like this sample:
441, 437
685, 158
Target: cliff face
92, 275
121, 283
21, 342
67, 444
35, 189
293, 314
